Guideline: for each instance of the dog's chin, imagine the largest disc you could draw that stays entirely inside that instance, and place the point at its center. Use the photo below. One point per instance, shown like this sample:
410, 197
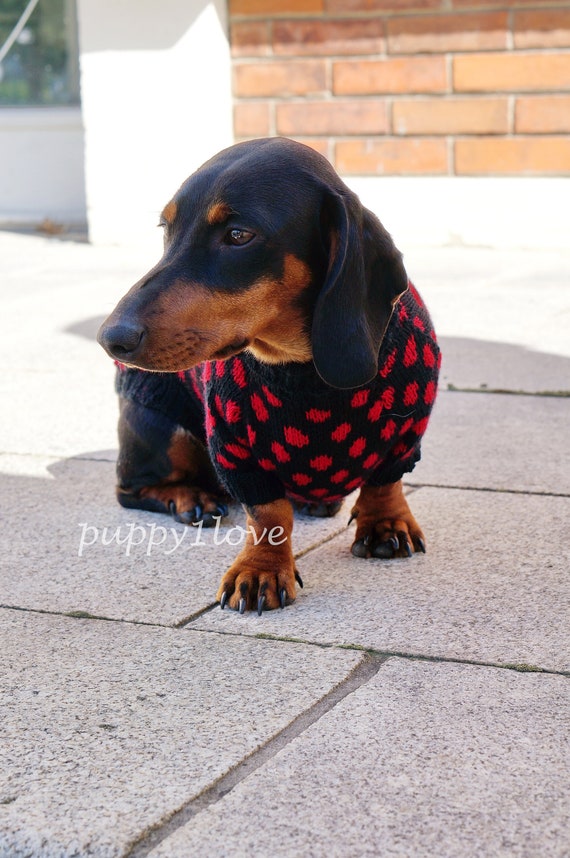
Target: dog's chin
230, 350
180, 363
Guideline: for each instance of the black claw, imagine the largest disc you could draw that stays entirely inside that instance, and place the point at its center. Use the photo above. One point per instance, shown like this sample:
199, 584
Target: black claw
222, 509
422, 546
409, 551
260, 604
282, 597
395, 542
223, 600
172, 508
242, 606
298, 579
360, 548
353, 516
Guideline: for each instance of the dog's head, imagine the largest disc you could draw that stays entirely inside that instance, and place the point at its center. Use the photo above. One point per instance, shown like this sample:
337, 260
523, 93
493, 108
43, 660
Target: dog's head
265, 249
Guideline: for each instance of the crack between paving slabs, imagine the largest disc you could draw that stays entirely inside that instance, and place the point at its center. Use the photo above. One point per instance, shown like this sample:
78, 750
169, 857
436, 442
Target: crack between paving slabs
492, 490
504, 391
359, 676
517, 667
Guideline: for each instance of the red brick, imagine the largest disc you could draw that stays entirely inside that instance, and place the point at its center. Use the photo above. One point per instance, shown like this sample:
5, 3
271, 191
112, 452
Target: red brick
451, 116
251, 119
319, 145
279, 78
392, 156
344, 6
330, 37
511, 72
250, 39
539, 114
513, 156
332, 117
405, 74
267, 8
440, 33
544, 28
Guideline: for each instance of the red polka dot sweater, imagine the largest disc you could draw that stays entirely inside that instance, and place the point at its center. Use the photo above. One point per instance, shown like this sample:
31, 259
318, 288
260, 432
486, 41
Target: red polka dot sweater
275, 431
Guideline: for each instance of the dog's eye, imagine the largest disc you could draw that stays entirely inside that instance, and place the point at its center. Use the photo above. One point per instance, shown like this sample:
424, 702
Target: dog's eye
238, 237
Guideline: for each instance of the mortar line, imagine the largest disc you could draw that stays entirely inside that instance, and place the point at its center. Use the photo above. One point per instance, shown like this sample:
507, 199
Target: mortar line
505, 391
359, 676
490, 489
519, 667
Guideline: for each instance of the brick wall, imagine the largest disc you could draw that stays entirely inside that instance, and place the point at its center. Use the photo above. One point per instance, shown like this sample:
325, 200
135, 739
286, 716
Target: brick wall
408, 87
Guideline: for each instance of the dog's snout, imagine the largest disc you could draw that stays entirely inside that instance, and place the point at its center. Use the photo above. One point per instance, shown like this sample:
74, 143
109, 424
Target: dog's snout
121, 341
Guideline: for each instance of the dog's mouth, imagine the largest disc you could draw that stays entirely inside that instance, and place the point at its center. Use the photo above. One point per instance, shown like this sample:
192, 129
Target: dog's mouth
231, 349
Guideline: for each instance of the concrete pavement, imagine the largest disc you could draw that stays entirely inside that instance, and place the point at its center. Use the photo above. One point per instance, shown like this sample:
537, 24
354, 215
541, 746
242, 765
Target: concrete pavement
411, 708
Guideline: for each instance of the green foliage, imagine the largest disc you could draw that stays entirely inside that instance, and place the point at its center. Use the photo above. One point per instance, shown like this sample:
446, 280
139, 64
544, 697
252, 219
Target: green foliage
41, 68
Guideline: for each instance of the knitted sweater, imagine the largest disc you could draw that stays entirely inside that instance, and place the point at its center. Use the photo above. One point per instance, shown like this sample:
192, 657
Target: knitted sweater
275, 431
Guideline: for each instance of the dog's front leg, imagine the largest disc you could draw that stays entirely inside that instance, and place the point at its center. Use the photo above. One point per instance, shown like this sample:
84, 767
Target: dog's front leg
263, 574
385, 526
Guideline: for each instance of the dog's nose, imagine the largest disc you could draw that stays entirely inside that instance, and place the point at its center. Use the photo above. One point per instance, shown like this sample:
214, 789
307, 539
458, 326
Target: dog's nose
121, 341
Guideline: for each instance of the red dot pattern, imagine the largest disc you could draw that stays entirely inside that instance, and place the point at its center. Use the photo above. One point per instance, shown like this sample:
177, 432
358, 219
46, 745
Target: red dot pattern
341, 432
259, 408
321, 463
295, 437
357, 448
271, 398
238, 374
280, 452
316, 415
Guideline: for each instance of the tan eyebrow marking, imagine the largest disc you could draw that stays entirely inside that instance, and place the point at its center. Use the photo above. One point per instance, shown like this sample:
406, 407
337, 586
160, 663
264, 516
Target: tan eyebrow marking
169, 212
218, 212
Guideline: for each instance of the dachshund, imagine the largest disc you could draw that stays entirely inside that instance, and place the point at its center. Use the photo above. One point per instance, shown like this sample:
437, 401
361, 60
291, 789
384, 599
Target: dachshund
276, 355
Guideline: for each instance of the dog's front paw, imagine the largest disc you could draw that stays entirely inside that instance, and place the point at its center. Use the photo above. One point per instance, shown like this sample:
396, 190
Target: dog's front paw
263, 574
258, 581
385, 526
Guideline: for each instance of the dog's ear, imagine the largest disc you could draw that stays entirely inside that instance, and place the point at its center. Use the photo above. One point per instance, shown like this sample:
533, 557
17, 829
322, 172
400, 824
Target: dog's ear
364, 280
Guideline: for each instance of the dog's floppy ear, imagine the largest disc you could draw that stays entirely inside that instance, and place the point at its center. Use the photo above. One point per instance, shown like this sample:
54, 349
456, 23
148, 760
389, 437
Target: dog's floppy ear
365, 277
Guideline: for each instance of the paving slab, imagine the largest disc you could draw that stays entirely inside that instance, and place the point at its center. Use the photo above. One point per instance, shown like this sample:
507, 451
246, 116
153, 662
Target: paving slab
423, 760
60, 413
480, 365
502, 317
67, 546
493, 586
109, 728
517, 297
497, 441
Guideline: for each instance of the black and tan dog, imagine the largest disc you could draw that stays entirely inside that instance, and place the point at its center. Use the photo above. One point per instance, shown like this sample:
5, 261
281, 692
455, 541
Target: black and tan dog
290, 359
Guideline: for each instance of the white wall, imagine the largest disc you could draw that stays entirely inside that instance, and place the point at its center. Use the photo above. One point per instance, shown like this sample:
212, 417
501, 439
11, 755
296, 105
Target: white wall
483, 211
156, 96
41, 165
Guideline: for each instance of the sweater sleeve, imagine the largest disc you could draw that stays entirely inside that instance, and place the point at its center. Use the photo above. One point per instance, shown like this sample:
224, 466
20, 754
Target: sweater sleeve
246, 480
